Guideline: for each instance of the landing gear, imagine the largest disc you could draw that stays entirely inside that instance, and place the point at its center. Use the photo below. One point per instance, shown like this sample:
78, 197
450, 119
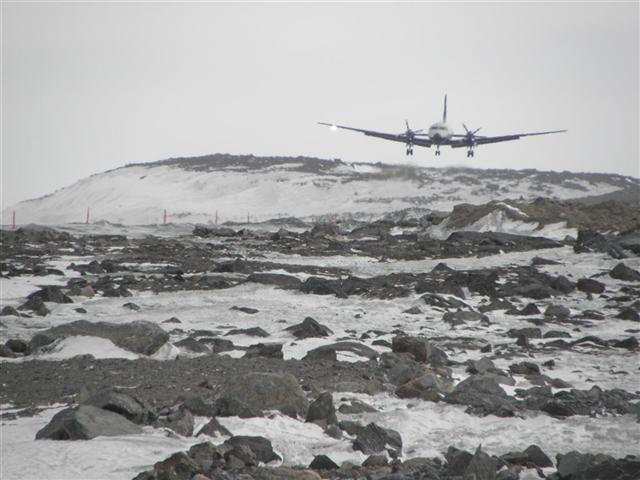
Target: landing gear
438, 151
409, 150
470, 153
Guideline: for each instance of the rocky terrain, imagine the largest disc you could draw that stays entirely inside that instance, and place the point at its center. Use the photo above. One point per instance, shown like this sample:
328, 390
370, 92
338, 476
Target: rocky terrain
419, 344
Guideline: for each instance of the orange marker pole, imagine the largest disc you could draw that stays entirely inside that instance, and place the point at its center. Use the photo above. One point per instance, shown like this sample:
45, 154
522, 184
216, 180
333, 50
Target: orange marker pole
164, 217
87, 220
216, 220
13, 220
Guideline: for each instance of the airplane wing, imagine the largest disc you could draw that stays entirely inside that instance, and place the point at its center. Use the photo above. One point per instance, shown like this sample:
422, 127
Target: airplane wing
483, 140
394, 137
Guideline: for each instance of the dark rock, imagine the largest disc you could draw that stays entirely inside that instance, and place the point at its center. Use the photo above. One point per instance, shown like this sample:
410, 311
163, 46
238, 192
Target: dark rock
6, 352
589, 285
198, 405
218, 345
429, 387
309, 328
36, 305
439, 301
247, 310
180, 420
356, 407
413, 311
50, 294
630, 343
260, 446
252, 332
18, 346
376, 461
86, 422
178, 466
484, 395
528, 332
563, 285
202, 231
538, 457
524, 368
461, 318
622, 272
374, 439
268, 391
287, 282
539, 261
9, 310
268, 350
346, 346
556, 334
321, 286
140, 336
207, 456
321, 355
192, 345
213, 429
528, 310
628, 313
481, 466
322, 462
352, 428
323, 410
129, 406
132, 306
572, 463
457, 461
172, 320
559, 312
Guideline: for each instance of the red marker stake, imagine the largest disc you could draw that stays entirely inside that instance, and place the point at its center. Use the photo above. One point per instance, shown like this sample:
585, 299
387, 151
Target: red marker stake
13, 220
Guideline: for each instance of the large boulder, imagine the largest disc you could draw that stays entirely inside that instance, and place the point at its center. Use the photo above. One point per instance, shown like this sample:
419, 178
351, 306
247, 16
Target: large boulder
420, 348
481, 467
259, 446
50, 294
267, 391
483, 394
322, 410
140, 336
86, 422
129, 406
287, 282
622, 272
374, 439
309, 328
589, 285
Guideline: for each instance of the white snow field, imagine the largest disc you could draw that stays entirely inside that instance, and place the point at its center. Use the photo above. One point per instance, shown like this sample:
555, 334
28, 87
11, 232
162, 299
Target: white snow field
139, 194
427, 428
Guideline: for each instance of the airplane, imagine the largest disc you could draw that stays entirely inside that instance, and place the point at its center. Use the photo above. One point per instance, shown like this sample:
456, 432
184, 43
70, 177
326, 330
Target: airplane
440, 134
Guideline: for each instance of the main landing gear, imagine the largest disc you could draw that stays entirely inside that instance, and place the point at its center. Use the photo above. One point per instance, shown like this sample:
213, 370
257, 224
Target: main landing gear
470, 153
437, 151
409, 150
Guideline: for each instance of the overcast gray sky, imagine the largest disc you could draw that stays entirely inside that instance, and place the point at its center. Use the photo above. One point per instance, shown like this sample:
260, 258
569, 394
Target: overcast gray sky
89, 87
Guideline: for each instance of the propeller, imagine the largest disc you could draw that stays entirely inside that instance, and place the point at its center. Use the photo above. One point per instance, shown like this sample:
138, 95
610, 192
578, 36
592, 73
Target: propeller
410, 134
471, 134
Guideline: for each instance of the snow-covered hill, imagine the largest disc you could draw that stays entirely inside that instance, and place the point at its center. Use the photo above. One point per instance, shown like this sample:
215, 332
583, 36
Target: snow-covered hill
195, 190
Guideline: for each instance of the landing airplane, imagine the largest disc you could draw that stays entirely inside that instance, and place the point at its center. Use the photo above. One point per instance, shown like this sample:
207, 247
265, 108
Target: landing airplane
440, 134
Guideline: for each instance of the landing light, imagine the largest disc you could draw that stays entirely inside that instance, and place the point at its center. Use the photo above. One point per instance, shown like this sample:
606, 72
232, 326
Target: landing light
333, 128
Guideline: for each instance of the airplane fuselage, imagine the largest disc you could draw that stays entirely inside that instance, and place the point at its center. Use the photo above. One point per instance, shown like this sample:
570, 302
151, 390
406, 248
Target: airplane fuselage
440, 132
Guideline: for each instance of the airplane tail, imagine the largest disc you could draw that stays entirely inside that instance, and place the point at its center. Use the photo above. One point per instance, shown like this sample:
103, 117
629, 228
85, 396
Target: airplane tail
444, 113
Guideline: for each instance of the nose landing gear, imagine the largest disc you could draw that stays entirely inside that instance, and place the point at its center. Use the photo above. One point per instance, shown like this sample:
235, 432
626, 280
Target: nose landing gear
409, 150
437, 151
470, 153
